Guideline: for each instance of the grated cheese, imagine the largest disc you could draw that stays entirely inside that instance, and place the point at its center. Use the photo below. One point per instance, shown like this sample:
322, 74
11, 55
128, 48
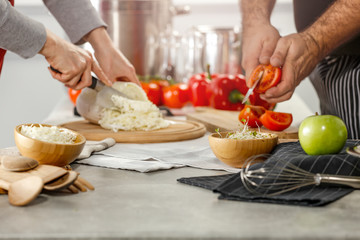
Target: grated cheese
51, 134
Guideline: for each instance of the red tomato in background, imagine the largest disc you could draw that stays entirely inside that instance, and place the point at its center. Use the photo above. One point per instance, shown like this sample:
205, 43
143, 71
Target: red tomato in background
276, 121
176, 96
251, 114
73, 95
153, 92
268, 76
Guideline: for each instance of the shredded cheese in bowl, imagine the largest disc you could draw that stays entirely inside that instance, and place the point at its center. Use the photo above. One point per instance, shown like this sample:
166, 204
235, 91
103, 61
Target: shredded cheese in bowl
51, 134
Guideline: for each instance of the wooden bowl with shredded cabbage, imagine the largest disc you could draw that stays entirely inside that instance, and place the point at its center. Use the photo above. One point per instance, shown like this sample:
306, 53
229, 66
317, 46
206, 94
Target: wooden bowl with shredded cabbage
48, 144
234, 148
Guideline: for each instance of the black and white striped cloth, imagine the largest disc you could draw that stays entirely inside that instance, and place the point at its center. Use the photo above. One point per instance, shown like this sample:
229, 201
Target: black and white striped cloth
230, 186
337, 82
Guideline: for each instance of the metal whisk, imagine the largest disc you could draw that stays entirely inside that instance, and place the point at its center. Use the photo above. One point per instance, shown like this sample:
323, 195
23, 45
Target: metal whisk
281, 176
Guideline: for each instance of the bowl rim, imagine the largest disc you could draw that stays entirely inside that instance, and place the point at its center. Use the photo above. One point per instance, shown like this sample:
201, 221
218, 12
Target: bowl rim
216, 136
83, 139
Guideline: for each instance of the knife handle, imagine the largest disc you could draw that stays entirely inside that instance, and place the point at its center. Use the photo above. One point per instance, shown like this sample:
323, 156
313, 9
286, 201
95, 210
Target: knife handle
94, 81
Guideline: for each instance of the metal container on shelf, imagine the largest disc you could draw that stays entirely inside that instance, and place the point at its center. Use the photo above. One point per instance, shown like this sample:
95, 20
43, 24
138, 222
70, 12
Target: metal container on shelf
220, 47
136, 27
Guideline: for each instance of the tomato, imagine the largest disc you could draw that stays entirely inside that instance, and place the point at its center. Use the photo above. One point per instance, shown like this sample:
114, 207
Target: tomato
176, 96
153, 92
276, 121
251, 114
267, 75
257, 101
73, 95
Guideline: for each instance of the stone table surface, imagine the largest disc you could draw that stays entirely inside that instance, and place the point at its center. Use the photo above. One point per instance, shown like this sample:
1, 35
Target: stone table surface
132, 205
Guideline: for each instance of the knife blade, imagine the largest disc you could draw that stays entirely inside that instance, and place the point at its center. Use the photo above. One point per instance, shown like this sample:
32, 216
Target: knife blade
104, 92
250, 91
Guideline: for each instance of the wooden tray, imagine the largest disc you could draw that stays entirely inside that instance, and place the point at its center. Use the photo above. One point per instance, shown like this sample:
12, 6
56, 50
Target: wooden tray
178, 131
228, 121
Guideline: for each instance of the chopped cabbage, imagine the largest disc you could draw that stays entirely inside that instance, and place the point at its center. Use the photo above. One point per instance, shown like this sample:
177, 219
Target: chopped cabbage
132, 115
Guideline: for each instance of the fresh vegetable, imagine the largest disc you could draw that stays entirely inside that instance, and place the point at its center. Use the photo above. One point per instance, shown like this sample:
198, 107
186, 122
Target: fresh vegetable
267, 75
228, 92
276, 121
251, 115
322, 134
176, 96
200, 89
73, 95
153, 92
257, 101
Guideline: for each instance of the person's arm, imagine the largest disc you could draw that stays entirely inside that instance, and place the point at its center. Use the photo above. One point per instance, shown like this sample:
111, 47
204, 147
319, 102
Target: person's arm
114, 64
27, 37
82, 24
259, 37
77, 18
300, 53
18, 33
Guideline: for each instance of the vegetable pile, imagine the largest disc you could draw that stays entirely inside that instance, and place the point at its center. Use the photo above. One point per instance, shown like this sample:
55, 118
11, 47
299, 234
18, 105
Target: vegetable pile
220, 91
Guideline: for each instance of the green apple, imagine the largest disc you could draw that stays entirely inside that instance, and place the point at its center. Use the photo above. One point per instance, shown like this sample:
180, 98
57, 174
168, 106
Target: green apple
322, 134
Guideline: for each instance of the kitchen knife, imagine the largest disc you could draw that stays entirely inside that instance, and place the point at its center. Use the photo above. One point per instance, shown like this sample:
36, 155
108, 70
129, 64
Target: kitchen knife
250, 91
104, 92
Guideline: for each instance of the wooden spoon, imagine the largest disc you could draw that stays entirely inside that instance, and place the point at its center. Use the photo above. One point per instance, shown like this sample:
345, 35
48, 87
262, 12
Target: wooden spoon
23, 191
62, 182
17, 163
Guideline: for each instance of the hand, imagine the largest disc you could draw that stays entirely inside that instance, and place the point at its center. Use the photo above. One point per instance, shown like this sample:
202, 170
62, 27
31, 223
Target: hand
113, 62
73, 64
298, 55
258, 44
115, 65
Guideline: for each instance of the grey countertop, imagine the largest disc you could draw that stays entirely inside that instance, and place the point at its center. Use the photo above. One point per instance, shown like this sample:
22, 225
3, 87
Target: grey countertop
132, 205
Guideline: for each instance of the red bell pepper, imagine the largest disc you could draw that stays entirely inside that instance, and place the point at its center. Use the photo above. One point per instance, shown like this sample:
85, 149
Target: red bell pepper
199, 89
228, 91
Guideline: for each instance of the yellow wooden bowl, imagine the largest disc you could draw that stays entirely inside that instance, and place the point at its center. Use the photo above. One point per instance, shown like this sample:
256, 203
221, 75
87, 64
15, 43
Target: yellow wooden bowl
235, 152
58, 154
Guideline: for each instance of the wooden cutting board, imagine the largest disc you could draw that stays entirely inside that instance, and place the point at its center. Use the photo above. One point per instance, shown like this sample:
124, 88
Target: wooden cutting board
228, 121
178, 131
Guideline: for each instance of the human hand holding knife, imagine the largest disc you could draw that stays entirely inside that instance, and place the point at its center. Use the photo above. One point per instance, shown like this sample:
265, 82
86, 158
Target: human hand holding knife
251, 90
263, 78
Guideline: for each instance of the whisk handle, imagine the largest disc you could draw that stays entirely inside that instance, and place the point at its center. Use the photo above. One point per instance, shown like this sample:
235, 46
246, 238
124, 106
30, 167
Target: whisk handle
343, 180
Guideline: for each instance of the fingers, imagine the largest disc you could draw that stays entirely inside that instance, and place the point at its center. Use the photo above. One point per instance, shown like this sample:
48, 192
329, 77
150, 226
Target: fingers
95, 67
266, 52
281, 51
286, 87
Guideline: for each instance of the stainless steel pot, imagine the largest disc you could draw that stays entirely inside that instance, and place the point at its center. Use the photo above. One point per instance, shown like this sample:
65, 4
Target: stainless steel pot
135, 26
218, 46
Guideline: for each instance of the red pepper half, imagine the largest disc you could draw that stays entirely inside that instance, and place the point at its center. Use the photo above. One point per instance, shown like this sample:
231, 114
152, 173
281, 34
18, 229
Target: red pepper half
228, 91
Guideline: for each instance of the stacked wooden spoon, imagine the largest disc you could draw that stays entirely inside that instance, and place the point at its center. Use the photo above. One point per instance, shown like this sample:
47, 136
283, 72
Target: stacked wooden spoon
23, 179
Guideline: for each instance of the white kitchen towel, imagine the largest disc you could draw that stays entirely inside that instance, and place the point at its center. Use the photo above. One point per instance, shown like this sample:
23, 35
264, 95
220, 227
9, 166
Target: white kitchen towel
139, 165
95, 146
158, 156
